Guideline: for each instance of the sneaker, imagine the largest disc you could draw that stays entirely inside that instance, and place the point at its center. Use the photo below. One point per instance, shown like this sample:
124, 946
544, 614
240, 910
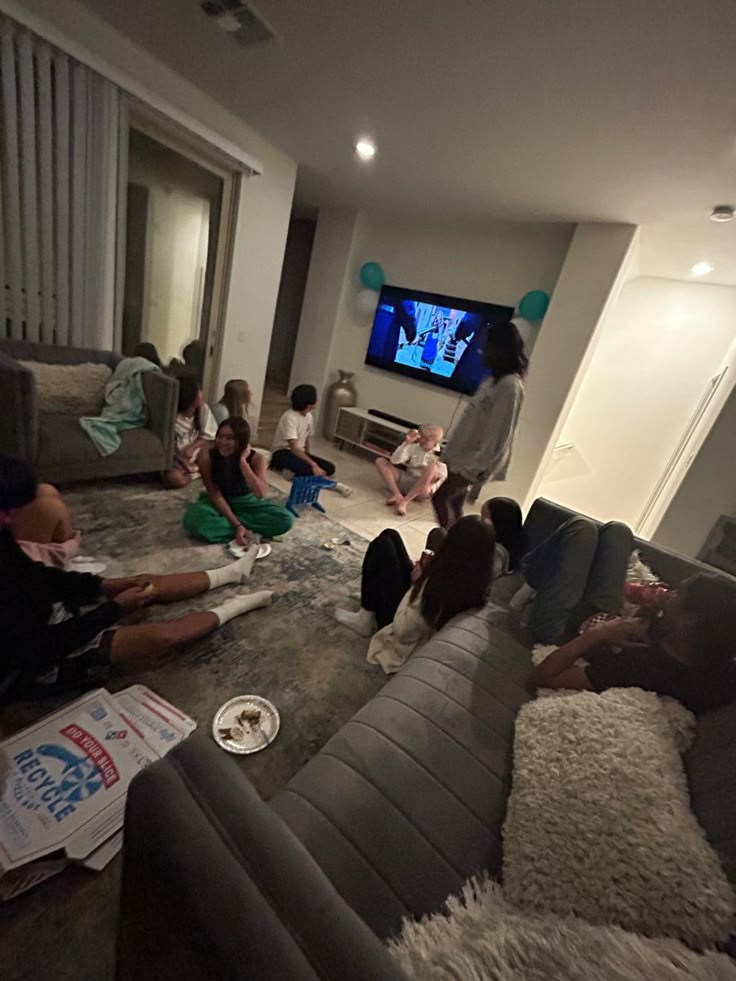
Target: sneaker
343, 489
362, 622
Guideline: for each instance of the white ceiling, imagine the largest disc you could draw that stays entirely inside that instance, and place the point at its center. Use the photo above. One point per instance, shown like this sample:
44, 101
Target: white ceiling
533, 109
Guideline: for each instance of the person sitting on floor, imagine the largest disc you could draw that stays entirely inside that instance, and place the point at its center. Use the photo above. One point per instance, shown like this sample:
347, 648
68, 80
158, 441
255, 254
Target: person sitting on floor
505, 516
414, 471
43, 528
236, 401
47, 641
194, 427
291, 450
233, 503
456, 578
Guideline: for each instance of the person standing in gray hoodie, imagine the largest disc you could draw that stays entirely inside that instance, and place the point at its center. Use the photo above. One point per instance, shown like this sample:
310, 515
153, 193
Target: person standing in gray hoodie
479, 448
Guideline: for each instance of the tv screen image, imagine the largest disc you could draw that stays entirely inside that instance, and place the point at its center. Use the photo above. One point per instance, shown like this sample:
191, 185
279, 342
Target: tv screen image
433, 338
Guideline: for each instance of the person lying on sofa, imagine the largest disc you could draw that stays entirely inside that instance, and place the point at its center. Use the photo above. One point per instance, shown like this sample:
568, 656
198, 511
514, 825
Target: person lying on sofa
682, 647
456, 578
46, 640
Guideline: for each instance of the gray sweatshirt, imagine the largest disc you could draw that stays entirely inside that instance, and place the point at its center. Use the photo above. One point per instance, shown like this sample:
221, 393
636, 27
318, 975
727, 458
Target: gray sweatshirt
479, 448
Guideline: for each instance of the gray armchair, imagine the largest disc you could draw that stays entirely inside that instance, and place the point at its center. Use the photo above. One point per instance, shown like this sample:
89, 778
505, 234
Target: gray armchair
55, 444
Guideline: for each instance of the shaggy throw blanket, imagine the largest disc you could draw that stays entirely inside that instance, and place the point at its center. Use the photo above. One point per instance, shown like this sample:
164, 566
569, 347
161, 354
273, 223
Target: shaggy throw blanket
599, 823
481, 937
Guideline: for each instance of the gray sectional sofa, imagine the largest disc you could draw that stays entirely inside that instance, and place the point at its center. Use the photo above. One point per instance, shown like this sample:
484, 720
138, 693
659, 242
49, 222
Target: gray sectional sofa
55, 444
402, 805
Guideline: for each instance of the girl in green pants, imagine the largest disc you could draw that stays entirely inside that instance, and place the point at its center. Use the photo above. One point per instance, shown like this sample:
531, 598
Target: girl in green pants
233, 504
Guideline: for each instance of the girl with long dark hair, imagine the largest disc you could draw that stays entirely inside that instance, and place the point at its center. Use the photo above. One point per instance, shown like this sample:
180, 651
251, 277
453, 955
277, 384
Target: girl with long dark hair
456, 578
48, 641
193, 428
233, 503
479, 448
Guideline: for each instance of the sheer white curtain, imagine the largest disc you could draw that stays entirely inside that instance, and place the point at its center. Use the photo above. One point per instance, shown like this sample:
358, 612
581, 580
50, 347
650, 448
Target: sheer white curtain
62, 146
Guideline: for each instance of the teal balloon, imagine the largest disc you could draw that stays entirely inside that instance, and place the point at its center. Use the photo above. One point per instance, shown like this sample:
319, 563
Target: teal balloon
371, 275
533, 305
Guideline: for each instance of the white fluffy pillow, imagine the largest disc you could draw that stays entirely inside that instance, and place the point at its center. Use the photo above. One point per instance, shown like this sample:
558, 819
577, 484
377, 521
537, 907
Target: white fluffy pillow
70, 389
599, 823
483, 938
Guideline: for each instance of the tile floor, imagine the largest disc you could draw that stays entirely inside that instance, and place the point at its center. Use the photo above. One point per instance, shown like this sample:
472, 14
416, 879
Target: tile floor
365, 512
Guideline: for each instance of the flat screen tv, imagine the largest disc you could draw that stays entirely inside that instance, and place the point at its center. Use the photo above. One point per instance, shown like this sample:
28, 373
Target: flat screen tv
433, 338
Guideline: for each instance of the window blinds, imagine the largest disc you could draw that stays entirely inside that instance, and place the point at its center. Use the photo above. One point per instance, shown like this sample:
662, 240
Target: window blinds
62, 144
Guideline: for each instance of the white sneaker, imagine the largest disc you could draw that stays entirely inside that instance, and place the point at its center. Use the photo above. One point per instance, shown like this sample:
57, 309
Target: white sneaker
363, 622
343, 489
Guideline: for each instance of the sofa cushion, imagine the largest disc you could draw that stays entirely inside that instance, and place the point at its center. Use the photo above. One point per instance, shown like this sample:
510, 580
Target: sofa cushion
62, 440
408, 799
70, 389
599, 822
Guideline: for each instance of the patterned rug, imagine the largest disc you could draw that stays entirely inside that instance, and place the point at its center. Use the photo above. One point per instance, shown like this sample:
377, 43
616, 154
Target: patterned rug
293, 653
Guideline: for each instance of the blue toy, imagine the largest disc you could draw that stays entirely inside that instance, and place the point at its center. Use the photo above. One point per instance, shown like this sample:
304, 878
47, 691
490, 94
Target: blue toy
305, 490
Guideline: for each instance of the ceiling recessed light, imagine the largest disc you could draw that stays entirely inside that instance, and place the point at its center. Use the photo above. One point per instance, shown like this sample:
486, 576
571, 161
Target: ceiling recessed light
701, 268
365, 149
722, 212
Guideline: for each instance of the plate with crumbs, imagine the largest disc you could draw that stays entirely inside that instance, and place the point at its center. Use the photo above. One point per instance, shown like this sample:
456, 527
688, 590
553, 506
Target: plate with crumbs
246, 724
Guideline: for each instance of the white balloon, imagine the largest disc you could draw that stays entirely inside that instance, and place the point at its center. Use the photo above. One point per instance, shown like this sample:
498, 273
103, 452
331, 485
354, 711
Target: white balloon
365, 304
526, 329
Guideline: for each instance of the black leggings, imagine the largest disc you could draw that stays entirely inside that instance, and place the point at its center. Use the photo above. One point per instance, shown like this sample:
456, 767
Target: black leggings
449, 500
386, 576
286, 460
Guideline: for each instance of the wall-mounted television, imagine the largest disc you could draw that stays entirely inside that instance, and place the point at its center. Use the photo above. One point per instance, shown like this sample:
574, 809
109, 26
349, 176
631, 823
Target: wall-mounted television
433, 338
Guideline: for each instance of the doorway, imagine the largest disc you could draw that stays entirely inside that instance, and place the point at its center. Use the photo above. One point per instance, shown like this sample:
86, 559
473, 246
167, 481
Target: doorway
178, 227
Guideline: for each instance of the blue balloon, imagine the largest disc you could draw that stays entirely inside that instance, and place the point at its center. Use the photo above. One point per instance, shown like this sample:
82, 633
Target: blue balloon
533, 305
371, 276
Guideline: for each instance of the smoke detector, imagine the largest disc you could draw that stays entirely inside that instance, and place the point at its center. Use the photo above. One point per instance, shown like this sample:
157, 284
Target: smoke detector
722, 212
238, 20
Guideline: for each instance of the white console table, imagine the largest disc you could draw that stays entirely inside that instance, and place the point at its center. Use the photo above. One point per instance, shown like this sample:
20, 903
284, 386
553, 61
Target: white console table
371, 433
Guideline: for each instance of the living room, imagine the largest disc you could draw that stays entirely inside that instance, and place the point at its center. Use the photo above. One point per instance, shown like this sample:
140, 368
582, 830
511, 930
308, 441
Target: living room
559, 163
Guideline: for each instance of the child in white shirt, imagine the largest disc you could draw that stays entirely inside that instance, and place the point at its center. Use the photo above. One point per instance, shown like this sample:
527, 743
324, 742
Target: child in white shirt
414, 471
291, 450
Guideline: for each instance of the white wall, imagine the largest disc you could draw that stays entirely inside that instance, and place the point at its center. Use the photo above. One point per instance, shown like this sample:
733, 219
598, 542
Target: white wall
708, 490
595, 267
657, 347
497, 263
265, 202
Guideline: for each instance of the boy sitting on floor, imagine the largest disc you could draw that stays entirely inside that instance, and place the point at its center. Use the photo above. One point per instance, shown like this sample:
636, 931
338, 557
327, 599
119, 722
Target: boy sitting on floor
414, 472
291, 440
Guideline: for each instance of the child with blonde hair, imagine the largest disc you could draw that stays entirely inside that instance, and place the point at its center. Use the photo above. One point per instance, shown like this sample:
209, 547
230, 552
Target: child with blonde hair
414, 471
235, 402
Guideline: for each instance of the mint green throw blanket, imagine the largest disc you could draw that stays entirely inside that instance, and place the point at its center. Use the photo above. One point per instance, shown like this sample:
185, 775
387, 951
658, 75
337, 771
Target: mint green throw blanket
125, 405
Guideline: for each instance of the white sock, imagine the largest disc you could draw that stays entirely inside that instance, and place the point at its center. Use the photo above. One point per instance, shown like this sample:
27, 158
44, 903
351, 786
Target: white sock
523, 596
363, 622
345, 489
237, 605
235, 572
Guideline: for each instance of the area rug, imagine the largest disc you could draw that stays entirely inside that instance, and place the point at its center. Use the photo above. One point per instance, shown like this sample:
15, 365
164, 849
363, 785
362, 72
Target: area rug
293, 653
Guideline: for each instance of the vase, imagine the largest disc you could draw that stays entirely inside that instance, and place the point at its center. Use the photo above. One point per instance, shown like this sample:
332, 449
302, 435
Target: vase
339, 395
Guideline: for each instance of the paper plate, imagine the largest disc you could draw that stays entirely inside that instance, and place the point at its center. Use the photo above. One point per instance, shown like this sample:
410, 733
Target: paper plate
237, 551
237, 733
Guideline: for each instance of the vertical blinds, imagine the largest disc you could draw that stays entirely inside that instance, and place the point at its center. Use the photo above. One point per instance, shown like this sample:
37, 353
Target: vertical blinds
60, 195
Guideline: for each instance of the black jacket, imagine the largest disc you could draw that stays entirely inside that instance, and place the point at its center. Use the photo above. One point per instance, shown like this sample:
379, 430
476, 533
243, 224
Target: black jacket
28, 591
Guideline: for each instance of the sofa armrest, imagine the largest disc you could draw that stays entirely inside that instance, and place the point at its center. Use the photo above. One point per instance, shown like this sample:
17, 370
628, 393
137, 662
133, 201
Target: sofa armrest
19, 418
161, 393
216, 886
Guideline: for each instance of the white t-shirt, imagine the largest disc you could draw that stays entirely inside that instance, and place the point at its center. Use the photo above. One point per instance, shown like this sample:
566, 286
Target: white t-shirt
415, 459
293, 425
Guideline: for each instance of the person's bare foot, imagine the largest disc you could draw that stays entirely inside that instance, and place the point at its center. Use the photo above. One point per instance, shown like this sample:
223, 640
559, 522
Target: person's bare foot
401, 507
391, 500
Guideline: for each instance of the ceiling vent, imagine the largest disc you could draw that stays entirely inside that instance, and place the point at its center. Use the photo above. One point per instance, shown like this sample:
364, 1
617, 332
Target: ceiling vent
238, 20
